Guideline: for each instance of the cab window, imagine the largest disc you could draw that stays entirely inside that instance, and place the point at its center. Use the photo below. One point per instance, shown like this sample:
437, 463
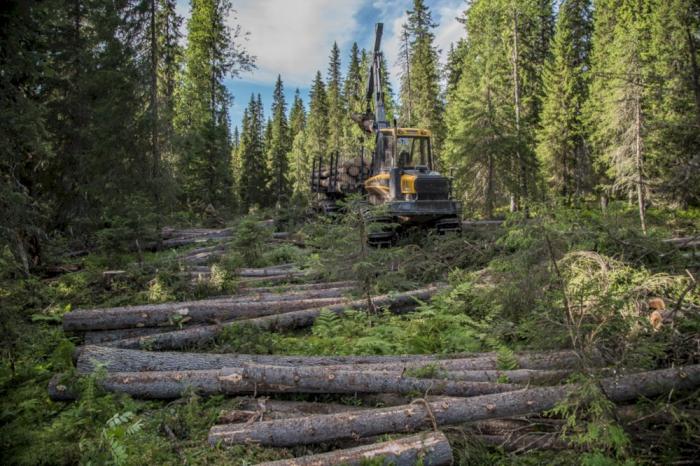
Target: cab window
412, 151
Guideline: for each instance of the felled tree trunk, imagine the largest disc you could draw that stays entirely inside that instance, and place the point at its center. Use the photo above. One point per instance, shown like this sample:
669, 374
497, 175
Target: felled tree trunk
311, 379
130, 360
300, 287
429, 449
170, 315
278, 379
407, 418
289, 320
259, 409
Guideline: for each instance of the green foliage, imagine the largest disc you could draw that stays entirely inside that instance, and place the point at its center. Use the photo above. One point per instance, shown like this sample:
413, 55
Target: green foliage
249, 240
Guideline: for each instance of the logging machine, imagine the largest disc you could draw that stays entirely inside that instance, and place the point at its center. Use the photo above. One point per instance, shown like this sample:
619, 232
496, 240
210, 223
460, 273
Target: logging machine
401, 175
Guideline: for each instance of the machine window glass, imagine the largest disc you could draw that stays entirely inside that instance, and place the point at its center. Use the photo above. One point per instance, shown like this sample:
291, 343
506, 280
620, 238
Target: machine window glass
412, 151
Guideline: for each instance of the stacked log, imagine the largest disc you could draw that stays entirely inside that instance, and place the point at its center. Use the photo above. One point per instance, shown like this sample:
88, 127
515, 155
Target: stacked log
346, 178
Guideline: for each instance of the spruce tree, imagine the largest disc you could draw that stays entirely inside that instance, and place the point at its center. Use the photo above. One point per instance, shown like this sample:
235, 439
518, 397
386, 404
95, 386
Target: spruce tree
297, 155
620, 100
425, 101
562, 149
279, 146
336, 103
354, 98
213, 52
254, 170
317, 143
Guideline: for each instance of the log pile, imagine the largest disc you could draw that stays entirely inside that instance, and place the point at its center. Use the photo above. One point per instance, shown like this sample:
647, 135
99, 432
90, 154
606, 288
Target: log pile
494, 412
203, 317
344, 178
418, 394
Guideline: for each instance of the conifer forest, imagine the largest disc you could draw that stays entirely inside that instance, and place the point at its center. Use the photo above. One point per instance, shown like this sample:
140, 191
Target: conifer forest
485, 252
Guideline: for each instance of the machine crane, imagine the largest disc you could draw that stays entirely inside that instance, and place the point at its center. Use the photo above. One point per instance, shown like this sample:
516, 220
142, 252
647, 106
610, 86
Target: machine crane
401, 175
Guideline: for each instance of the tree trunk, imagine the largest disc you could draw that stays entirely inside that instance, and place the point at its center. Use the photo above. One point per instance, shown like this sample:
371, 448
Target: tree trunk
169, 316
278, 379
130, 360
260, 409
407, 418
300, 287
641, 201
266, 272
311, 379
427, 449
289, 320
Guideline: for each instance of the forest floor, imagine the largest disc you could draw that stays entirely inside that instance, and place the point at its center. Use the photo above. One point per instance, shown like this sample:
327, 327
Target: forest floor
564, 279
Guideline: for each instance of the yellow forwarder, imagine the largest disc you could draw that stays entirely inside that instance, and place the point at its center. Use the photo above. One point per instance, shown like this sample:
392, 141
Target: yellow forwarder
400, 176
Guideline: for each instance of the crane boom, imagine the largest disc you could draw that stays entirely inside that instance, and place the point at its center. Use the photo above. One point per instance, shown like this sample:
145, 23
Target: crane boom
374, 82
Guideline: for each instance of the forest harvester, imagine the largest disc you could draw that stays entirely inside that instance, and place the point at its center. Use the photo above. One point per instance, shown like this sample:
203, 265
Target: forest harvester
400, 175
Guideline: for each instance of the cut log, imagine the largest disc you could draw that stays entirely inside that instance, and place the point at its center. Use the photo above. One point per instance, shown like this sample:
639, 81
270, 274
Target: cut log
428, 449
279, 379
251, 295
130, 360
309, 379
264, 409
110, 319
289, 320
267, 272
407, 418
261, 409
300, 287
97, 337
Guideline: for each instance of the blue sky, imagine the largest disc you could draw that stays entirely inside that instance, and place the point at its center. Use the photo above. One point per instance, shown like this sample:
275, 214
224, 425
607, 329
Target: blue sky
294, 37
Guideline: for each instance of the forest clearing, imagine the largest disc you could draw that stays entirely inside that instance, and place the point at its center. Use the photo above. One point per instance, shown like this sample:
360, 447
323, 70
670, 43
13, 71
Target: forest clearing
486, 253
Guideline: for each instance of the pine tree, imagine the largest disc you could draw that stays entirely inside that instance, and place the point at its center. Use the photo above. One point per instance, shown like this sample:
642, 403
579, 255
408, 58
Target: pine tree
562, 149
213, 52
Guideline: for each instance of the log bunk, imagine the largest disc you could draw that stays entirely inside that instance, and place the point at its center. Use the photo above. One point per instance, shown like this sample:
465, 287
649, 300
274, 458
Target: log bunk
143, 350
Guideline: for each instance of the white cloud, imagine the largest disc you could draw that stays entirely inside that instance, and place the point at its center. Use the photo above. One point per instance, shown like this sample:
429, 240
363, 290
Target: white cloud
294, 38
444, 12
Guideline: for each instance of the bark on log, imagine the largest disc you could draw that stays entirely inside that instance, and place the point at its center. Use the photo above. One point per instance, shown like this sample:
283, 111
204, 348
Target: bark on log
289, 320
311, 379
130, 360
300, 287
111, 319
407, 418
264, 409
97, 337
428, 449
261, 409
251, 295
279, 379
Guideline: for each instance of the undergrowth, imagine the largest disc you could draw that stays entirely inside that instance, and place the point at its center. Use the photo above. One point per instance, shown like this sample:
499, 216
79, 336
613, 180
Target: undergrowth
567, 279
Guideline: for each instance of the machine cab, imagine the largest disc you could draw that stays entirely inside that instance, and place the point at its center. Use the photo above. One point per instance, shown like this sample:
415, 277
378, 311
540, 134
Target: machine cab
404, 148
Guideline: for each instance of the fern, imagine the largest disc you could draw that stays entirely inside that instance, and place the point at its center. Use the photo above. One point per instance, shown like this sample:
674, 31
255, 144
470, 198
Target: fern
327, 325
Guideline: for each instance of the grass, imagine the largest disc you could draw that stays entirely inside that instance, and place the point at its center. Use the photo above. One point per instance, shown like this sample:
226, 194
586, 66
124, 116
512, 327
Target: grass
504, 295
